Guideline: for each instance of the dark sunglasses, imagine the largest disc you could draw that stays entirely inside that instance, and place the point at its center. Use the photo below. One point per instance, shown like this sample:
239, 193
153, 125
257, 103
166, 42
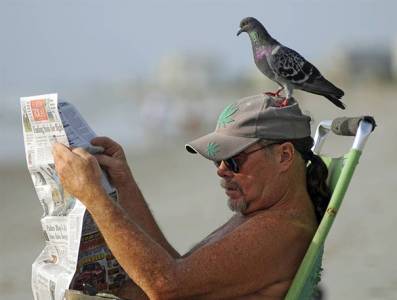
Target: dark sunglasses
234, 163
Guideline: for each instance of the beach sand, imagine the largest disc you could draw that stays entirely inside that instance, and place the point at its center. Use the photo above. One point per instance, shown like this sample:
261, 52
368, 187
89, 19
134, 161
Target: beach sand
184, 194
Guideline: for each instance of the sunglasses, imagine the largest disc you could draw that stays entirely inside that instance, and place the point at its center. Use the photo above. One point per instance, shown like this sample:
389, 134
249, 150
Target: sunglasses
234, 163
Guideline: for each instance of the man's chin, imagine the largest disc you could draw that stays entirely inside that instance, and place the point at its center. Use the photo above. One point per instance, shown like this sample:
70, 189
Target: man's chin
237, 205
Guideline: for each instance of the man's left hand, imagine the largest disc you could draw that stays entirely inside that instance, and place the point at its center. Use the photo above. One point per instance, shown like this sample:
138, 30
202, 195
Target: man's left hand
79, 172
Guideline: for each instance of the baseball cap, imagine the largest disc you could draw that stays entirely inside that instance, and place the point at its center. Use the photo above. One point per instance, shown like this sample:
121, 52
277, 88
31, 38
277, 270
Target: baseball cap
250, 119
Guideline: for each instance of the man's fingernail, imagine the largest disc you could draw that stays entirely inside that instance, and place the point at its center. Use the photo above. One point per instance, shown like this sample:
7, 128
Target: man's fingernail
94, 149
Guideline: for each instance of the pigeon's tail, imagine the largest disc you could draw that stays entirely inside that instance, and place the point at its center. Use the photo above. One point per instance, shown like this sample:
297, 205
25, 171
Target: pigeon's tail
323, 87
335, 100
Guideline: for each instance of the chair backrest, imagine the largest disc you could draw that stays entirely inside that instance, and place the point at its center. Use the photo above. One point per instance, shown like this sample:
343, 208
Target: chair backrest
340, 173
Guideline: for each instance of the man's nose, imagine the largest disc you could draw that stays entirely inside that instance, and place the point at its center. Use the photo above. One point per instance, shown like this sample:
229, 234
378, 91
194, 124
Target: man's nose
224, 171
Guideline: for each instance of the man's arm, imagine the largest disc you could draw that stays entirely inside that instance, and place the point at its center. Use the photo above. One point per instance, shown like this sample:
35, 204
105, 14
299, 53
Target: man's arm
246, 260
243, 262
130, 197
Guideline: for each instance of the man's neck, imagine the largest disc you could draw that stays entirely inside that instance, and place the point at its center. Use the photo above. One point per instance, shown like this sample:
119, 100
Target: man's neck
288, 193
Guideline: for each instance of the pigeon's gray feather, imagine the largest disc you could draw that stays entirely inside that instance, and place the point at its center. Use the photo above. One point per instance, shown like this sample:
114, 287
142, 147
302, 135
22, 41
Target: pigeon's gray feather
286, 66
291, 66
294, 70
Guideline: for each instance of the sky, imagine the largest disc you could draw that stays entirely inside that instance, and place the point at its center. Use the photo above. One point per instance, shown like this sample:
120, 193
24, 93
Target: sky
50, 46
46, 42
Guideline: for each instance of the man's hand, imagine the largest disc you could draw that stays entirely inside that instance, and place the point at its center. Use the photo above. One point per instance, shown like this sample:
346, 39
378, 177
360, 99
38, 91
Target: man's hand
130, 197
114, 161
79, 172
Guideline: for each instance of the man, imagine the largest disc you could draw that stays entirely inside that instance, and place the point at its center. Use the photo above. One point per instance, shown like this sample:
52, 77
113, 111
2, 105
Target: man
261, 152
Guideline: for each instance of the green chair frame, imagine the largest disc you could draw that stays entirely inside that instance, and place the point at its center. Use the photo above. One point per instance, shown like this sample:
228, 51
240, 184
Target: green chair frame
340, 173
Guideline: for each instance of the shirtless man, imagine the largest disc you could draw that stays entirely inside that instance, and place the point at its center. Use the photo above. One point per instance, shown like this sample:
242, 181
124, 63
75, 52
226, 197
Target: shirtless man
261, 152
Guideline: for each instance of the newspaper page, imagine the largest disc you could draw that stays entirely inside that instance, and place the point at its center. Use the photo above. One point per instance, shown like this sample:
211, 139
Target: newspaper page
75, 252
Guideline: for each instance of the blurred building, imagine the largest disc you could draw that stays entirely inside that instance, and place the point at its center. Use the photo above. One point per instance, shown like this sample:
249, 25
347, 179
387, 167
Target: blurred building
189, 73
367, 63
394, 58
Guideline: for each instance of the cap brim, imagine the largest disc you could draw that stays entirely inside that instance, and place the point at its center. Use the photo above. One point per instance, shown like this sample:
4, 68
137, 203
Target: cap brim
216, 146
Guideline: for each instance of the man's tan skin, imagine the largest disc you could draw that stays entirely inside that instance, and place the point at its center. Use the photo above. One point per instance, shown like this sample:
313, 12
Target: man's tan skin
253, 256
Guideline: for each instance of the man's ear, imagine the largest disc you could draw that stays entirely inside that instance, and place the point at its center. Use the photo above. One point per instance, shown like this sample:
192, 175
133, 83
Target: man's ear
286, 155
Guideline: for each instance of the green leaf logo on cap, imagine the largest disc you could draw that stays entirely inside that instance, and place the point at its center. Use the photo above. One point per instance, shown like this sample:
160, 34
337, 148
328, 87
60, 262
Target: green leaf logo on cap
212, 149
225, 117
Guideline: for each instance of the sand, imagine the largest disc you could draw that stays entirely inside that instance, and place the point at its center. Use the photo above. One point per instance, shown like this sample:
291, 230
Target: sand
184, 194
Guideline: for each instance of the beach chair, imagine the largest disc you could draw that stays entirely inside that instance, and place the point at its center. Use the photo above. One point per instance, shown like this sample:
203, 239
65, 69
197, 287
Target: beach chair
340, 172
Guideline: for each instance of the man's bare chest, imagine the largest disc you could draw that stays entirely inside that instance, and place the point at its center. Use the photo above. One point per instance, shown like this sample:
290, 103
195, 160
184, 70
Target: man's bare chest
219, 233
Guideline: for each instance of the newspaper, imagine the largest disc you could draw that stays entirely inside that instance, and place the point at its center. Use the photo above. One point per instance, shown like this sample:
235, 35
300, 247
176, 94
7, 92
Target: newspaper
75, 252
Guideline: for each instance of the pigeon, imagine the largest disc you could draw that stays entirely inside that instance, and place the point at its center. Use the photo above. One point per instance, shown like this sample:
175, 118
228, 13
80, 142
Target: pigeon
285, 66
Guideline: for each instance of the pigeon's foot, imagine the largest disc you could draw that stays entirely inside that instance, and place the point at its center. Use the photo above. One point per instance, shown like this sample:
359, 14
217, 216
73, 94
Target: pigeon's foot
271, 94
282, 102
276, 94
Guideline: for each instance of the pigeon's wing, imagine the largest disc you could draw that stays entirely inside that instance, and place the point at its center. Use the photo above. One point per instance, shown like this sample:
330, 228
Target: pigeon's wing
292, 67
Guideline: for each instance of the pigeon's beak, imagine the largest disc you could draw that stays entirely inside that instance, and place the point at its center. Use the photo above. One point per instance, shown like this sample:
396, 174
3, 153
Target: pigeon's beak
240, 31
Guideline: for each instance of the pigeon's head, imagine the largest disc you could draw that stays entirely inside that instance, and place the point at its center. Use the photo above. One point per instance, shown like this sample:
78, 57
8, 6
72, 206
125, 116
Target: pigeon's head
249, 24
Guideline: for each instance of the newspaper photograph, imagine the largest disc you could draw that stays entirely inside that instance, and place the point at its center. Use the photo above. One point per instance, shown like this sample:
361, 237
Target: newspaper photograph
75, 254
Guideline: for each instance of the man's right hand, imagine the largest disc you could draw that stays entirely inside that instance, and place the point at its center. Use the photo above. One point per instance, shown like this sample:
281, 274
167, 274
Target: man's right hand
113, 160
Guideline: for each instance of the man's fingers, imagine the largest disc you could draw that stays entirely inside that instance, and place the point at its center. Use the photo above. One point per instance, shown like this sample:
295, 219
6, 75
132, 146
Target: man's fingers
83, 153
62, 157
93, 149
103, 141
76, 169
59, 149
105, 160
110, 146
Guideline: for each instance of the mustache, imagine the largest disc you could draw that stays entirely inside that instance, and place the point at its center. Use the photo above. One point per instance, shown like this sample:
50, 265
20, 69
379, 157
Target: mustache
229, 185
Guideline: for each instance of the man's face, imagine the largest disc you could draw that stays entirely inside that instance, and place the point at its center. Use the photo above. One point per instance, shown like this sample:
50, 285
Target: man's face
248, 189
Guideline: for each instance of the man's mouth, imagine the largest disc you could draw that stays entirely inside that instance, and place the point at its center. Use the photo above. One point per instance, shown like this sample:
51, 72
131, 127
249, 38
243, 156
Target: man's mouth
233, 194
231, 189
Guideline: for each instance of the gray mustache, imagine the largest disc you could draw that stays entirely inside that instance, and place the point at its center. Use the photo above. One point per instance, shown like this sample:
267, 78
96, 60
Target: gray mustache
229, 185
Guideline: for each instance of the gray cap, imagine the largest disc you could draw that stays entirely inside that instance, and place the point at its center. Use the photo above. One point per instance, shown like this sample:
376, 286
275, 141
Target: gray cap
249, 120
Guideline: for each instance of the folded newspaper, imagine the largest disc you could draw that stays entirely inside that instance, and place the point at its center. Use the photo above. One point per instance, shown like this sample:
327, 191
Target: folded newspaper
75, 254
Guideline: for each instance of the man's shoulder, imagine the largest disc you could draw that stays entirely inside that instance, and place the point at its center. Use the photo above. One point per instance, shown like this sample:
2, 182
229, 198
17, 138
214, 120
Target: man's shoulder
261, 231
265, 247
280, 227
281, 220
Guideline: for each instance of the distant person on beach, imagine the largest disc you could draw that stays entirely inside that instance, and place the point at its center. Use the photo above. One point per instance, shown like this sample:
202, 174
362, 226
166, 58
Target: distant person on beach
261, 151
